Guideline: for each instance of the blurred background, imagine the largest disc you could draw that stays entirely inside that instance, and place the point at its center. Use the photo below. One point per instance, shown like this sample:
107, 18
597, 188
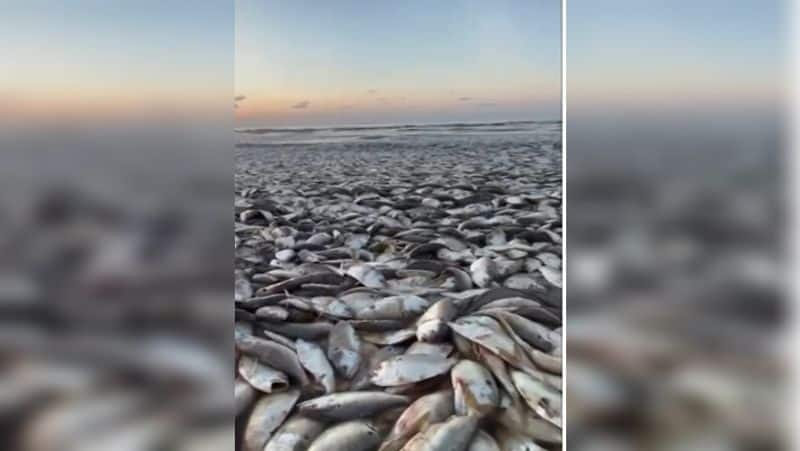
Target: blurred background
675, 152
115, 199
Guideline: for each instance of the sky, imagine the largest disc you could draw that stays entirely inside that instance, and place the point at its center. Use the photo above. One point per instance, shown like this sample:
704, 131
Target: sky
97, 59
683, 55
344, 62
368, 62
660, 85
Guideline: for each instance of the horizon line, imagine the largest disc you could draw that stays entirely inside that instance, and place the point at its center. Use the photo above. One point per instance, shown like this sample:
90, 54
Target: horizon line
365, 126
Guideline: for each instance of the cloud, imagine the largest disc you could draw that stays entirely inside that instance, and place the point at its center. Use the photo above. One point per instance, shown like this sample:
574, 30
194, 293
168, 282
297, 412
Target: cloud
464, 99
486, 104
301, 105
239, 98
384, 100
372, 91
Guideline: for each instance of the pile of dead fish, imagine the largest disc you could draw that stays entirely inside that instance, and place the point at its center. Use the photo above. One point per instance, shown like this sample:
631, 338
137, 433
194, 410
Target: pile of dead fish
383, 313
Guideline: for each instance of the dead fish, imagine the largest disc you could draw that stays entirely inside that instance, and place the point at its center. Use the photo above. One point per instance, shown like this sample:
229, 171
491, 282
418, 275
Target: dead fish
267, 415
243, 395
523, 282
278, 338
532, 264
356, 435
499, 369
425, 248
257, 302
285, 255
549, 259
272, 313
495, 293
343, 349
307, 331
321, 238
394, 308
432, 325
354, 239
541, 398
331, 307
452, 243
437, 349
378, 325
296, 434
488, 333
373, 357
475, 389
551, 275
416, 389
360, 298
541, 360
389, 337
519, 419
483, 271
427, 410
523, 307
455, 434
534, 334
328, 278
273, 354
514, 441
357, 240
242, 329
410, 368
262, 377
466, 348
345, 406
367, 275
242, 289
505, 267
313, 358
482, 441
496, 237
449, 255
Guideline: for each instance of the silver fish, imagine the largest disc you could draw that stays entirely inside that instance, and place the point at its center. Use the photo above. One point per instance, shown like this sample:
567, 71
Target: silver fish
243, 395
541, 398
273, 354
514, 441
313, 358
455, 434
432, 325
367, 275
343, 349
356, 435
410, 368
394, 308
296, 434
437, 349
267, 415
262, 377
427, 410
475, 389
345, 406
489, 333
483, 271
482, 441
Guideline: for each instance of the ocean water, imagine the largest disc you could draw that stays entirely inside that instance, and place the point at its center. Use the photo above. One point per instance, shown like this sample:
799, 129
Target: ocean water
519, 132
